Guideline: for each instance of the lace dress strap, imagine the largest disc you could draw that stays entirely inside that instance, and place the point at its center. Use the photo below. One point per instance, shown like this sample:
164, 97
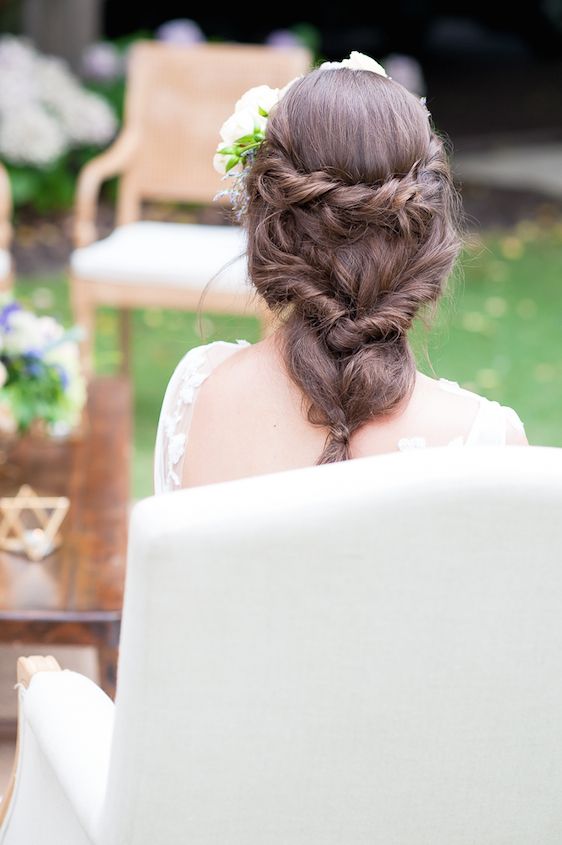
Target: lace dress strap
177, 410
492, 419
489, 427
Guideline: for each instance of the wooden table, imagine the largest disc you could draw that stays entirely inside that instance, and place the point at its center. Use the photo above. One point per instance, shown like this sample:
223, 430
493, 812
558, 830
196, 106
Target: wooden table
75, 595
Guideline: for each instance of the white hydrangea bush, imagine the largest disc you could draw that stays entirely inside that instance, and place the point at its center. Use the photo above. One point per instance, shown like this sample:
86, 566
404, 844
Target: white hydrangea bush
44, 110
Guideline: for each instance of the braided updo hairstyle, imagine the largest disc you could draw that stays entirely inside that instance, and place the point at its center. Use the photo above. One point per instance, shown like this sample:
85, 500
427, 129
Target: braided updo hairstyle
351, 218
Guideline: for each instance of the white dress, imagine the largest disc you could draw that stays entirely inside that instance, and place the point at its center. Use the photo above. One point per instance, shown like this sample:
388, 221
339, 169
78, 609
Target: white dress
488, 429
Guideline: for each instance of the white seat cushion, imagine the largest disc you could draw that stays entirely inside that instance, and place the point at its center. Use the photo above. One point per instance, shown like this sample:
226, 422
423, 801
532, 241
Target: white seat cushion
183, 254
5, 263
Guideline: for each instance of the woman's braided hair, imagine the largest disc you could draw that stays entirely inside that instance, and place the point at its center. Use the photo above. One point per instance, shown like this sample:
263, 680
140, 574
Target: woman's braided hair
351, 217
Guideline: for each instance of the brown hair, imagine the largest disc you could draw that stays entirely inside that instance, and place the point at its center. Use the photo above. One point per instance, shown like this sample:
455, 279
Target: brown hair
352, 228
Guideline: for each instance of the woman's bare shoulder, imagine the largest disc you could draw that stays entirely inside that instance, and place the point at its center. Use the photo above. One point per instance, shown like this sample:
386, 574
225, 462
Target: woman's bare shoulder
245, 410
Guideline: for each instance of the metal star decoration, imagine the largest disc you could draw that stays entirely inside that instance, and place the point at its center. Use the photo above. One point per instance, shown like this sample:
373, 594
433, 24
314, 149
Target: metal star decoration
30, 523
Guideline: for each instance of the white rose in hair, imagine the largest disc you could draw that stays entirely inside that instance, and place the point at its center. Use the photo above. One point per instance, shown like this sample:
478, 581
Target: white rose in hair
356, 61
238, 124
220, 161
359, 61
261, 97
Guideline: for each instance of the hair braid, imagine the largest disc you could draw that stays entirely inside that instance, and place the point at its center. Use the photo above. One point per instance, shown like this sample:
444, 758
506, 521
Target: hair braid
349, 238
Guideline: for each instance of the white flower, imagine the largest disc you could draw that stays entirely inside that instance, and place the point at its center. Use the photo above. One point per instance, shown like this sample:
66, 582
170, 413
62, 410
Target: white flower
29, 135
220, 161
17, 72
3, 374
261, 97
87, 119
44, 109
50, 329
24, 334
84, 117
238, 124
16, 53
65, 354
250, 115
16, 89
356, 61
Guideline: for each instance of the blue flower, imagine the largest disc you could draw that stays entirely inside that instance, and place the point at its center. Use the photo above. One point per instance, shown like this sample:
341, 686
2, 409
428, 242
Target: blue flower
63, 375
33, 364
6, 312
33, 369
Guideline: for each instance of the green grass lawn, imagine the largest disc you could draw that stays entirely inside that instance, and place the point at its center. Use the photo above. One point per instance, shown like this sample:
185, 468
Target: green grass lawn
499, 333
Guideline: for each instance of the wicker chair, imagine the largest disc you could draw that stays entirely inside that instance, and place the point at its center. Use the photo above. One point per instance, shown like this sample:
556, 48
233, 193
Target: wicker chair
177, 99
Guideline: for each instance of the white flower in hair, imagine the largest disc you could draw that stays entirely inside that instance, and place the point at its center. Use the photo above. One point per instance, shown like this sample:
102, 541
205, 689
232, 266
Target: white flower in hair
262, 98
356, 61
240, 123
244, 131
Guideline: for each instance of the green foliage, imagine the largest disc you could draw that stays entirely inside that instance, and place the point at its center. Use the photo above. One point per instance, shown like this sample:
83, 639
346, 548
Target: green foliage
243, 147
34, 391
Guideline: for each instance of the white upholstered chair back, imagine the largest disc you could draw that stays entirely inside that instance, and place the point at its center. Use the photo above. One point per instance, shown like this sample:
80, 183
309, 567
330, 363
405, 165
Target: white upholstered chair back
366, 653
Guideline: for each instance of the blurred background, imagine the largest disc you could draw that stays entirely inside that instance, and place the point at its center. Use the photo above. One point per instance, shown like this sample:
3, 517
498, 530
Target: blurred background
492, 76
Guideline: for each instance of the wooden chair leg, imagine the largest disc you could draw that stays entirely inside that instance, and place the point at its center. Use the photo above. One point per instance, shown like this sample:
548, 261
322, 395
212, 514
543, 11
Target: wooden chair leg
84, 313
7, 283
26, 668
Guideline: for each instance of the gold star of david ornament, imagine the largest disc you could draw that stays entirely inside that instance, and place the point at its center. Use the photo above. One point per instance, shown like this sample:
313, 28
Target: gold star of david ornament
29, 524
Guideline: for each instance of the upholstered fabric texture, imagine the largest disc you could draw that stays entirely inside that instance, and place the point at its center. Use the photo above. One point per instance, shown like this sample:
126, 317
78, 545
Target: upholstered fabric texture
182, 254
367, 653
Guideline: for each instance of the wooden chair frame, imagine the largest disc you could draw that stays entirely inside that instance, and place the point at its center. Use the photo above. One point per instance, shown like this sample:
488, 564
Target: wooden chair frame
129, 158
27, 667
6, 231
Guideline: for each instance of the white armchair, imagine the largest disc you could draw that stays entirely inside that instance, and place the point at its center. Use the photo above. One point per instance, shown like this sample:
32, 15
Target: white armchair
366, 652
6, 268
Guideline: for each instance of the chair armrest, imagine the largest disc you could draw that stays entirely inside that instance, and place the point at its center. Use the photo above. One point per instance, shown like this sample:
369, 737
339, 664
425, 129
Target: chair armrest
110, 163
65, 726
5, 209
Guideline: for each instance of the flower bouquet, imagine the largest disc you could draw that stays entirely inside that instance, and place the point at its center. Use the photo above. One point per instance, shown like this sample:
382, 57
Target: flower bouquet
42, 388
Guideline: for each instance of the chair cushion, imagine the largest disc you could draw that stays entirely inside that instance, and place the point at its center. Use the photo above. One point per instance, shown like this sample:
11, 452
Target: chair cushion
5, 263
182, 254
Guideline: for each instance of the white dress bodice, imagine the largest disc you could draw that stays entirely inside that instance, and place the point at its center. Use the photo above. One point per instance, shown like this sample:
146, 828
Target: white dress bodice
489, 426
